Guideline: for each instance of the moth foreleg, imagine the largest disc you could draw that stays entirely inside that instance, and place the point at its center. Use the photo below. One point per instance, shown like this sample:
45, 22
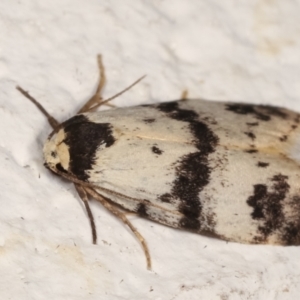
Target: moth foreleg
124, 219
84, 197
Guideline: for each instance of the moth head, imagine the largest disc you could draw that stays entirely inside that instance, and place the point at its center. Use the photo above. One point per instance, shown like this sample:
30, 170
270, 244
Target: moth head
56, 152
74, 146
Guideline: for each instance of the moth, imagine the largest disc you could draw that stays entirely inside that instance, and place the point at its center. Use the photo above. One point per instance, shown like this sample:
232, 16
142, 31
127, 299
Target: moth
226, 170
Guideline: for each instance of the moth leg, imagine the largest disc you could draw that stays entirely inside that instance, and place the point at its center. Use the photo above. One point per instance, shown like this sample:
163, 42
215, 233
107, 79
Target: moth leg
124, 219
84, 197
184, 94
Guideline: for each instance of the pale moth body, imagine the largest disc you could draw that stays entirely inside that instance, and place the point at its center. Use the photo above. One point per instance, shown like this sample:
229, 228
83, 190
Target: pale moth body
227, 170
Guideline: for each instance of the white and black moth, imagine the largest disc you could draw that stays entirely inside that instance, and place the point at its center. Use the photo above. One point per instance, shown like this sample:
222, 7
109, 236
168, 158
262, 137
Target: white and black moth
227, 170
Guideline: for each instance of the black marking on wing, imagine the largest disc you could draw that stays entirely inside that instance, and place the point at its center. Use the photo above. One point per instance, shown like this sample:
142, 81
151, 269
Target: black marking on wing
251, 135
156, 150
192, 170
268, 206
149, 120
167, 198
283, 138
260, 112
262, 164
83, 138
253, 124
251, 151
273, 111
291, 231
142, 210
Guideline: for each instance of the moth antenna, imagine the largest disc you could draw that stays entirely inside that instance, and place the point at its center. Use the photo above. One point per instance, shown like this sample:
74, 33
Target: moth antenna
97, 99
54, 124
84, 197
104, 102
124, 219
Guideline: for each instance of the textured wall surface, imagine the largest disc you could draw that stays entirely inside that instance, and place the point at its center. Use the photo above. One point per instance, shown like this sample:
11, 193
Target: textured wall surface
245, 51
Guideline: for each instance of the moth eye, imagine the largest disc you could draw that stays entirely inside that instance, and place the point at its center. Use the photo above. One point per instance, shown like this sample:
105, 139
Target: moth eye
53, 154
60, 168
